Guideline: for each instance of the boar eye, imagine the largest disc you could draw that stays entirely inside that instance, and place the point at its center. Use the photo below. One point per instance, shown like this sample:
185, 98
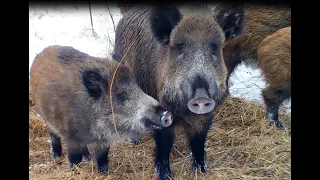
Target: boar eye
213, 47
179, 47
124, 96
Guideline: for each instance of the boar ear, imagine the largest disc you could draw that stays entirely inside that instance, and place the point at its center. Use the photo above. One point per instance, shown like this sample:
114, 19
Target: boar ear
95, 82
230, 17
163, 19
117, 57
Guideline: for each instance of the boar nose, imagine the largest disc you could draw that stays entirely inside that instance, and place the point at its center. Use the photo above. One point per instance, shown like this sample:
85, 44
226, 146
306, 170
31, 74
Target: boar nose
166, 119
165, 116
201, 104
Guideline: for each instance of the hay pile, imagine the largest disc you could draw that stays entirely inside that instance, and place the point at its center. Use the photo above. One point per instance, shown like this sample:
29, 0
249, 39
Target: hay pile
240, 145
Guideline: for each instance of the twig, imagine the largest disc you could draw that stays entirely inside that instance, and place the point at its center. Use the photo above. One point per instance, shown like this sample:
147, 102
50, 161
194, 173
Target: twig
110, 91
91, 17
134, 170
114, 27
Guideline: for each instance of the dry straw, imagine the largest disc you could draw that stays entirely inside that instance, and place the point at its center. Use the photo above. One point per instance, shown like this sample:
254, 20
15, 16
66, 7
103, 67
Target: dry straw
240, 145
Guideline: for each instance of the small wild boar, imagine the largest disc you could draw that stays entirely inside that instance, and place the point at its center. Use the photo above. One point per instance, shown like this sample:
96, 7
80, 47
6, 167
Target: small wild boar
70, 90
245, 26
274, 58
178, 60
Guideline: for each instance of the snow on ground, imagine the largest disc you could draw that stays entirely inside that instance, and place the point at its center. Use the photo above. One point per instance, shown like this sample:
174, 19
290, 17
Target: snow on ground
70, 25
39, 165
247, 83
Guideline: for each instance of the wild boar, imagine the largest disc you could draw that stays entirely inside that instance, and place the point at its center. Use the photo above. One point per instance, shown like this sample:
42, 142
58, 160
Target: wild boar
178, 60
274, 60
245, 26
70, 90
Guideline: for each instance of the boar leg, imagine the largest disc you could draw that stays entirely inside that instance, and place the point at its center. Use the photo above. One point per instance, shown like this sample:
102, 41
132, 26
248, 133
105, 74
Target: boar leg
56, 148
164, 139
273, 98
101, 155
197, 142
86, 155
76, 152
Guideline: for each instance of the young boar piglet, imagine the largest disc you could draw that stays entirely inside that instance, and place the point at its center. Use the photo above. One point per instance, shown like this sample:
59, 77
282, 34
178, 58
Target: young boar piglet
71, 93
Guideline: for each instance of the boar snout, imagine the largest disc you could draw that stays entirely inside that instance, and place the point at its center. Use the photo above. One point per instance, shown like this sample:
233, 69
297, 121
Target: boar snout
162, 118
201, 103
166, 119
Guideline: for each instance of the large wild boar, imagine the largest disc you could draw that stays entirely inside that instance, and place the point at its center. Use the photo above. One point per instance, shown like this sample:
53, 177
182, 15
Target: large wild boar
178, 60
274, 59
70, 90
246, 25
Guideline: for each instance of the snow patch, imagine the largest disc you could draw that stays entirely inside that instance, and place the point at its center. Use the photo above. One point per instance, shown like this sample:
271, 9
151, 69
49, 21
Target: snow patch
39, 165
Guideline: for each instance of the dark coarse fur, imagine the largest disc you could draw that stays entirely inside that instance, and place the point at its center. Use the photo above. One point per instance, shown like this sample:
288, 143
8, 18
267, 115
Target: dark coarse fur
274, 54
124, 7
248, 25
172, 56
70, 90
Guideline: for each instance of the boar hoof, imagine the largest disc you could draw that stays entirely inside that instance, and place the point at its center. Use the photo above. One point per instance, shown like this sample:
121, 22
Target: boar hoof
135, 141
103, 169
86, 156
55, 154
277, 123
203, 166
163, 171
72, 166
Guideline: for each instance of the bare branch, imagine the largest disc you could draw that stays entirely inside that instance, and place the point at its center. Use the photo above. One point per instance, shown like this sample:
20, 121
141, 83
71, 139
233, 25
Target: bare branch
114, 27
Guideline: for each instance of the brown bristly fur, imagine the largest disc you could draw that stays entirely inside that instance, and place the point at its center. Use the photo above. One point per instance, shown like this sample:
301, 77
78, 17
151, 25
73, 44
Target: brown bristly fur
40, 75
70, 90
256, 22
260, 20
274, 55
